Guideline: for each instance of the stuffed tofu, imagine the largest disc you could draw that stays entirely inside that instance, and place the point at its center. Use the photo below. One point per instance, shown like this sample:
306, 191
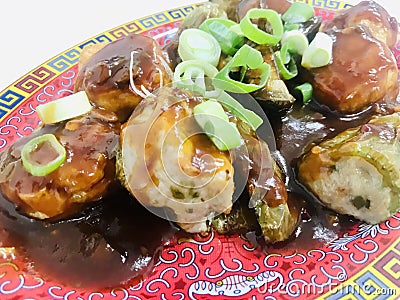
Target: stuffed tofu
117, 76
358, 172
31, 179
168, 163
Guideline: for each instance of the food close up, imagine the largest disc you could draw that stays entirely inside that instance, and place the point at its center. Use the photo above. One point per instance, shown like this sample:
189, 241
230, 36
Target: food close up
255, 113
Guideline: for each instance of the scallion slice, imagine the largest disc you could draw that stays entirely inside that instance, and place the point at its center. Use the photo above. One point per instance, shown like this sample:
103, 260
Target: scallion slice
246, 115
49, 143
246, 57
191, 75
298, 12
285, 72
306, 91
295, 41
319, 52
253, 33
199, 45
65, 108
229, 41
213, 120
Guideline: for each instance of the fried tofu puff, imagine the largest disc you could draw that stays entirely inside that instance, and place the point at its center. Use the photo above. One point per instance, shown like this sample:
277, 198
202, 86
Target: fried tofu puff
358, 172
363, 71
370, 14
85, 176
117, 76
167, 162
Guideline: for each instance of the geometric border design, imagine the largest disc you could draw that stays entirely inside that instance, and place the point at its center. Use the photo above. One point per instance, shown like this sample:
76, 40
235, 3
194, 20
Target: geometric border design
379, 280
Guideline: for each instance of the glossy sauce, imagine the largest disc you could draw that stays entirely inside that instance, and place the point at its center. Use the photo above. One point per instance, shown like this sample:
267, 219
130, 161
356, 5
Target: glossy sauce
113, 242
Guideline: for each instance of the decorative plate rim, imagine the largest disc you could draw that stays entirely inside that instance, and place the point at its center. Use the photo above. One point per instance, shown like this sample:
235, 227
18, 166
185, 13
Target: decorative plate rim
359, 244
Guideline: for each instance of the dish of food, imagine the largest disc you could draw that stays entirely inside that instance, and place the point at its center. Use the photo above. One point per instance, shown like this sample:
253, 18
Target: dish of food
288, 234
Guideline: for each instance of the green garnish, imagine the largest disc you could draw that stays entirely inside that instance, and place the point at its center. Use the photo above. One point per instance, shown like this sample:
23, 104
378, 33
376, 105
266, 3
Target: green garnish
246, 57
246, 115
48, 142
306, 91
253, 33
199, 45
191, 75
229, 40
319, 52
215, 123
298, 12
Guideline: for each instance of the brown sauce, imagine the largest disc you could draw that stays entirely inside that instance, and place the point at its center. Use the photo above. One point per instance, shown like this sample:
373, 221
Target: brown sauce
113, 242
117, 240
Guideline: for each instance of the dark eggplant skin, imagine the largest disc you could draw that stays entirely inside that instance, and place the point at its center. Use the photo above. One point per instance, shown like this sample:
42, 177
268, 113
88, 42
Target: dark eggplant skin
311, 27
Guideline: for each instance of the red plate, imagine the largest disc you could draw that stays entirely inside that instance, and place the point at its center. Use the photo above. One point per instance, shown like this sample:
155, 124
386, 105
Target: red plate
363, 263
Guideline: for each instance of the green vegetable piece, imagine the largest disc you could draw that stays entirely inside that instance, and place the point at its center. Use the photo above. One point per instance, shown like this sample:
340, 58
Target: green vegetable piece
246, 115
298, 12
215, 123
306, 91
245, 57
295, 41
277, 223
359, 202
285, 72
191, 75
229, 41
253, 33
289, 27
199, 45
319, 52
50, 143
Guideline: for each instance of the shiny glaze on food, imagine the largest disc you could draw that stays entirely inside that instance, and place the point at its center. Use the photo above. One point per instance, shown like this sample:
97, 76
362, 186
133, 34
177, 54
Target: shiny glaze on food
112, 242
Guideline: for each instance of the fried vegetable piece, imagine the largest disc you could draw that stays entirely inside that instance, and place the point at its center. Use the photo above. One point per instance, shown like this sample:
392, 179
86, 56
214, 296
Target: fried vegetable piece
106, 75
240, 220
370, 14
193, 20
357, 172
275, 94
244, 6
167, 162
363, 71
268, 195
88, 171
229, 7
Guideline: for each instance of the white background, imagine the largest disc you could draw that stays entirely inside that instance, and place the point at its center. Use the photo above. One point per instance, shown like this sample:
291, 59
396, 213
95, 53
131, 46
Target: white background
33, 31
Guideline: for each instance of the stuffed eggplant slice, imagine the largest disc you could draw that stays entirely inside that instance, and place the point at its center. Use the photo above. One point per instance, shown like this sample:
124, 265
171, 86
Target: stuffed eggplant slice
358, 172
85, 176
265, 207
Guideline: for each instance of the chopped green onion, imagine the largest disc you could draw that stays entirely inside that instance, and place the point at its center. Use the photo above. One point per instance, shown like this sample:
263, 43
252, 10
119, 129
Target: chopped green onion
47, 142
289, 27
198, 44
298, 12
295, 40
236, 28
306, 91
190, 74
64, 108
319, 52
245, 57
246, 115
253, 33
229, 41
212, 118
286, 73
